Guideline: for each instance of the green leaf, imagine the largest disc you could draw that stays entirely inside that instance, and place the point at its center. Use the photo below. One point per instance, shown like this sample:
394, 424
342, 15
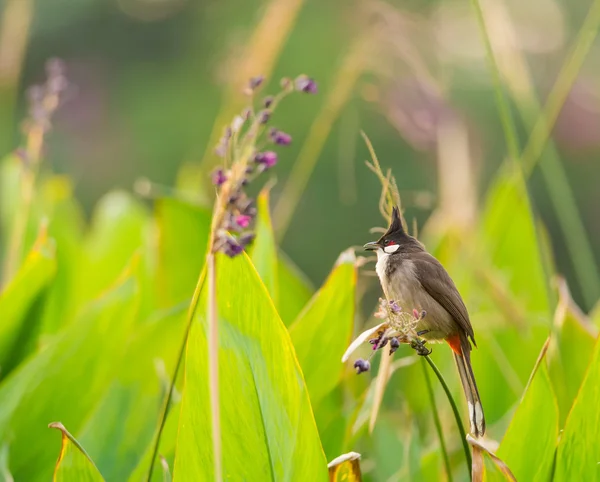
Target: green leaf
66, 229
30, 282
295, 290
529, 445
323, 330
569, 352
119, 225
65, 380
264, 403
510, 235
264, 250
579, 447
121, 427
73, 464
183, 231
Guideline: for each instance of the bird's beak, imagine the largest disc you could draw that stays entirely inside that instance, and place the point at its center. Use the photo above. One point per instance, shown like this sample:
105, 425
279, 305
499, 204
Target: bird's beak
372, 246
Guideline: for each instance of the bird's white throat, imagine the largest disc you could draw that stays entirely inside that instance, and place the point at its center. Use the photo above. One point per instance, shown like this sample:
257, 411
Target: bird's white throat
380, 267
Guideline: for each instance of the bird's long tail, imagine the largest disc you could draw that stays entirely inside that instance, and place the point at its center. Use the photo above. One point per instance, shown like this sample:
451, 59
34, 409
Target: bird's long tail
462, 356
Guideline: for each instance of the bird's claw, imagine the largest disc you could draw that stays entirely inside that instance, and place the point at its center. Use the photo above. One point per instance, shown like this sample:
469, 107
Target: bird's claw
420, 348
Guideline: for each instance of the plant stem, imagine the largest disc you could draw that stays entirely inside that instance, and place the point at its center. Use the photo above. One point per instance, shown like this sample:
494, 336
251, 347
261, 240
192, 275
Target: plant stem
165, 411
213, 367
461, 429
438, 424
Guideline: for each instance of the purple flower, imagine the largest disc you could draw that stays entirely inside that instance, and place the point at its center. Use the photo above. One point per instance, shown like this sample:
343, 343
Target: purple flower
232, 248
218, 177
264, 116
306, 84
268, 159
255, 82
395, 307
280, 137
246, 239
243, 220
268, 101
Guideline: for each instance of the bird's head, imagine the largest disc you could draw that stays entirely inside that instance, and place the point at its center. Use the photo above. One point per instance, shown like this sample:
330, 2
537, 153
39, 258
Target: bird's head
393, 238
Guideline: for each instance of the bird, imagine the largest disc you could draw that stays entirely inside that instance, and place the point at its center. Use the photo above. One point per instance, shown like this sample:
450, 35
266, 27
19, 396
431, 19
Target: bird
414, 279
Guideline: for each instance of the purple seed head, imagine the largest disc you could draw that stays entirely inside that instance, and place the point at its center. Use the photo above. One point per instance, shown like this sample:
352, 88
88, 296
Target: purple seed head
394, 345
267, 159
264, 116
246, 239
218, 177
256, 82
232, 248
243, 220
268, 101
362, 365
306, 84
280, 137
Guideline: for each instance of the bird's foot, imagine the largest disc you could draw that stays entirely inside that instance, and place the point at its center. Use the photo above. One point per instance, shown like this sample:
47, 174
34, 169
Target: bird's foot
420, 348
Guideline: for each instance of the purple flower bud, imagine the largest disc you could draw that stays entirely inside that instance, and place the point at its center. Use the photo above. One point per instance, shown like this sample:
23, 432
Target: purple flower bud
218, 177
394, 345
243, 220
306, 84
395, 307
280, 137
246, 239
268, 101
362, 365
267, 159
232, 248
264, 116
255, 82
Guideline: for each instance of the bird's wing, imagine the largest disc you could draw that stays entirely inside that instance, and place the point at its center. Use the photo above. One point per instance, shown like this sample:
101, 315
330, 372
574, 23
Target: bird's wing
437, 282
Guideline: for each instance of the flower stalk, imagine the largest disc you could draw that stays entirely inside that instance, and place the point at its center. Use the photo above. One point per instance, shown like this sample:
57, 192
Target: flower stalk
231, 230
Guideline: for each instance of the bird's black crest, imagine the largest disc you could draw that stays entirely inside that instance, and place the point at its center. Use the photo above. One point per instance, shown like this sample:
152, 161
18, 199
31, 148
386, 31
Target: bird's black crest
396, 224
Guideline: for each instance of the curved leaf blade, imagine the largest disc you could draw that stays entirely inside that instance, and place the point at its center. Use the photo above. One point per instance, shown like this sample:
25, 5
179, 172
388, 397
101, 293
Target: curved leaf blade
323, 330
579, 446
73, 464
264, 402
533, 429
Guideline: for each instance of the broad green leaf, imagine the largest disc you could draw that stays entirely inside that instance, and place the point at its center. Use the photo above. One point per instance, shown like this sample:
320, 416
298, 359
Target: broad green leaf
5, 475
595, 315
121, 427
322, 332
183, 231
66, 229
264, 402
569, 352
166, 448
295, 290
16, 327
73, 464
579, 447
65, 380
119, 226
510, 236
264, 250
529, 445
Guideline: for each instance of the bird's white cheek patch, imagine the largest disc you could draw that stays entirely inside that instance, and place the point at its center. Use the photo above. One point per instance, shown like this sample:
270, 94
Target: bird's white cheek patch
391, 249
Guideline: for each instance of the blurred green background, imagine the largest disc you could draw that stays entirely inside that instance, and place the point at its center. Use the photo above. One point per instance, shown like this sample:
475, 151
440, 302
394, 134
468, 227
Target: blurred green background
152, 76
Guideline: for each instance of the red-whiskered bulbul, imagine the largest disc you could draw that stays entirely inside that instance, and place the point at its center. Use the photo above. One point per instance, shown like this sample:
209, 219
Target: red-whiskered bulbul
414, 279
